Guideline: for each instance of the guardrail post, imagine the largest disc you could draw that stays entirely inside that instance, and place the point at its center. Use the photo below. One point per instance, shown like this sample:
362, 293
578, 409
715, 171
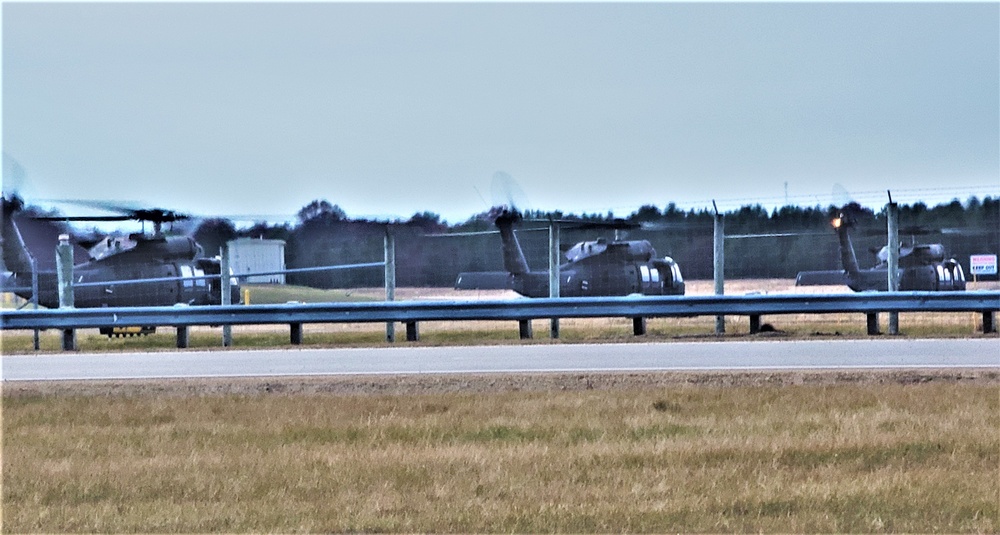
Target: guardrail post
524, 329
183, 337
295, 335
754, 323
873, 323
64, 277
68, 340
989, 322
639, 326
412, 332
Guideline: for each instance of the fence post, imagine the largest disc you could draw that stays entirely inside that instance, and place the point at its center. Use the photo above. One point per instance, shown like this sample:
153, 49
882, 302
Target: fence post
64, 261
719, 265
34, 299
554, 257
893, 261
227, 299
390, 280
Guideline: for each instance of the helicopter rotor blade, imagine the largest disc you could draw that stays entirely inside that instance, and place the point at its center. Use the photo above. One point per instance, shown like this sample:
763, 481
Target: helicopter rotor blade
482, 233
774, 235
128, 210
122, 207
83, 218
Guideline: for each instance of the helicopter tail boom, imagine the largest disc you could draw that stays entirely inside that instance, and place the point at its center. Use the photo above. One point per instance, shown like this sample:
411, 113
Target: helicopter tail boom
513, 257
15, 254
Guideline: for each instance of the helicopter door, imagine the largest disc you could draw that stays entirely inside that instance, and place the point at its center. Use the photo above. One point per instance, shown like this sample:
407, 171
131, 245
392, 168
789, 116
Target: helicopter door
194, 289
650, 279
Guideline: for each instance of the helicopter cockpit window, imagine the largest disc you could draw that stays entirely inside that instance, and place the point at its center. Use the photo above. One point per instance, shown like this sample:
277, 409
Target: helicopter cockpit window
943, 274
955, 269
676, 270
199, 281
187, 273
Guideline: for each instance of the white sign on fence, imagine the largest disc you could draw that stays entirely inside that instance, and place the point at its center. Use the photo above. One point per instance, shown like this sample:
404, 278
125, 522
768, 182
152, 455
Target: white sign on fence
983, 264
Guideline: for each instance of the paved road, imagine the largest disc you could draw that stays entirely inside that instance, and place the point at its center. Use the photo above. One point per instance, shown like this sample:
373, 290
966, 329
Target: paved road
755, 355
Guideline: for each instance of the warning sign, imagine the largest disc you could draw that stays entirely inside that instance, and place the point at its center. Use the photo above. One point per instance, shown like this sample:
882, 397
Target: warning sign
983, 264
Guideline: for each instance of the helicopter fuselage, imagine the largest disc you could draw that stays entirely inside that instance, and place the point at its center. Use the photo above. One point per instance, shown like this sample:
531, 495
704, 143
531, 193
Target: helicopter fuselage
922, 267
115, 289
171, 270
595, 268
595, 276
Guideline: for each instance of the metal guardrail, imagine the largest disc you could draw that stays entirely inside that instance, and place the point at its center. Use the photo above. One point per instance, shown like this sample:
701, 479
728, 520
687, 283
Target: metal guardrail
522, 310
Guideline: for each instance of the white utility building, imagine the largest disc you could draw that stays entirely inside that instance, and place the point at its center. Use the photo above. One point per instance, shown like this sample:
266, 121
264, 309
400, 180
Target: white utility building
247, 255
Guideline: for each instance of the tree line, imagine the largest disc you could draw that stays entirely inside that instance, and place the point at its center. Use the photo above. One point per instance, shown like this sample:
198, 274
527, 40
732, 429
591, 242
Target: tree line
431, 252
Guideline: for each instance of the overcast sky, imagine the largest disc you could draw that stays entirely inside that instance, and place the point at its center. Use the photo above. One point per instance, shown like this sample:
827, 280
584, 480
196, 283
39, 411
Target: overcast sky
392, 109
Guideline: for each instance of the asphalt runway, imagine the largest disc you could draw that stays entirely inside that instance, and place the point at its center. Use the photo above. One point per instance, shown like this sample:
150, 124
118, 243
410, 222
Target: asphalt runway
671, 356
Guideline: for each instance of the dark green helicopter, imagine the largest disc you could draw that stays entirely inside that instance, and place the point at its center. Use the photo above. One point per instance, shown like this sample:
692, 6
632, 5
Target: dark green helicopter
175, 267
592, 268
922, 267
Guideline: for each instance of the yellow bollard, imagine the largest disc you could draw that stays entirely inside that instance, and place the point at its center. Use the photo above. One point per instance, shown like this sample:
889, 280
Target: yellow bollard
246, 296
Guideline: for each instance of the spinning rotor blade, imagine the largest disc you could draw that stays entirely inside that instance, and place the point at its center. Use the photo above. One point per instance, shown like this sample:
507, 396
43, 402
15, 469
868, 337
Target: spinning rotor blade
482, 233
128, 210
13, 177
505, 191
83, 218
775, 235
576, 224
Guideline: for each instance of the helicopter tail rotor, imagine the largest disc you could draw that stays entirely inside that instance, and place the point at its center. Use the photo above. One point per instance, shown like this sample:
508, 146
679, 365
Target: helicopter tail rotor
506, 192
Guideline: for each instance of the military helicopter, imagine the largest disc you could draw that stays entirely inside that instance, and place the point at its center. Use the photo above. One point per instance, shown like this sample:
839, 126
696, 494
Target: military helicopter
174, 263
593, 268
922, 267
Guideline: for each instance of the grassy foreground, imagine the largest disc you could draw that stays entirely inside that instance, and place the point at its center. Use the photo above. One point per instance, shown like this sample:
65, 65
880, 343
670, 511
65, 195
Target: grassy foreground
806, 458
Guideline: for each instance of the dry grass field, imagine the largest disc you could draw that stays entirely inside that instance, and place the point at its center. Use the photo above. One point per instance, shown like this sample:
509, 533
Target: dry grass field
919, 455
